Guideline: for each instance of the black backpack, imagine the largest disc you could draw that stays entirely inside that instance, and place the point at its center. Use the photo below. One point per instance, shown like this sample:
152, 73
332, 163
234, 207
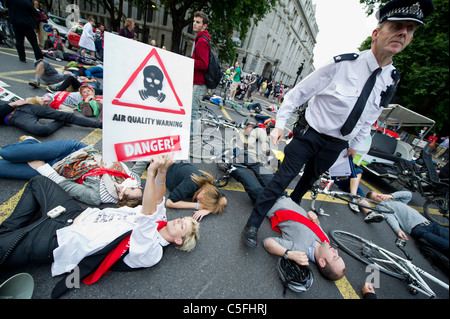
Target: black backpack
213, 74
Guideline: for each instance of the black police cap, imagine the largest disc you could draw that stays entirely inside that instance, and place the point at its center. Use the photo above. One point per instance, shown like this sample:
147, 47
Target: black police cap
400, 10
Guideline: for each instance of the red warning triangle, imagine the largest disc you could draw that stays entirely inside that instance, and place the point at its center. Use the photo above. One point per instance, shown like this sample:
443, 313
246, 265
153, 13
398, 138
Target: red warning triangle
122, 100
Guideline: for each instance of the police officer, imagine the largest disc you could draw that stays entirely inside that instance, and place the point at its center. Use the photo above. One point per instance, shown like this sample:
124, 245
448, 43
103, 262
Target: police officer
345, 97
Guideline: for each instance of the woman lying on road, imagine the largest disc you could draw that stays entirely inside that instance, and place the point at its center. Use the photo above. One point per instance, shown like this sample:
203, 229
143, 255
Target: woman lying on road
76, 167
84, 237
186, 182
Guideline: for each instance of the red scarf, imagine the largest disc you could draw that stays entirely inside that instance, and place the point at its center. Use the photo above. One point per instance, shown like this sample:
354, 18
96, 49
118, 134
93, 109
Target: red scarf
59, 99
283, 215
112, 257
102, 171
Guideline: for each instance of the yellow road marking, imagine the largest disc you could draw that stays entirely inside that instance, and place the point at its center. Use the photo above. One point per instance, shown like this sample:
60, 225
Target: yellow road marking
346, 289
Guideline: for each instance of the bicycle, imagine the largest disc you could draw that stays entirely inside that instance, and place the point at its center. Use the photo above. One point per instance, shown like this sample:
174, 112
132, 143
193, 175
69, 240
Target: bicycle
425, 180
387, 262
209, 142
6, 32
323, 186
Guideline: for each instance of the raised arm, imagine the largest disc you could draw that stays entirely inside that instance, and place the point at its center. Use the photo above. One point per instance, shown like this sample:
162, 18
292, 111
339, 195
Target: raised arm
149, 200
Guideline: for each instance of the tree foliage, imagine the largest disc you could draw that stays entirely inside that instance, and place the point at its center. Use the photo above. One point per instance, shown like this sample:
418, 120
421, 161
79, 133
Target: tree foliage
424, 66
225, 18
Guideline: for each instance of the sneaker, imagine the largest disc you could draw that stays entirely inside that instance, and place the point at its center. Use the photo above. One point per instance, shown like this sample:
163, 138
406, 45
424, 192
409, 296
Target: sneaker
34, 84
354, 208
53, 88
373, 217
47, 88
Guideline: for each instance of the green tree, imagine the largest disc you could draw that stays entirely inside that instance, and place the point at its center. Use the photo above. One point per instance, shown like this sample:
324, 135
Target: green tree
424, 66
226, 17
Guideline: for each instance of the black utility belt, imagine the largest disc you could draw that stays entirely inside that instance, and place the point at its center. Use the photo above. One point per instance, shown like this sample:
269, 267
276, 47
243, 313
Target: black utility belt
302, 126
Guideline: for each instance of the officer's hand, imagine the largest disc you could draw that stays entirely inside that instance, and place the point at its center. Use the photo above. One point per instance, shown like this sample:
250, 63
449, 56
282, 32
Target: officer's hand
350, 152
276, 135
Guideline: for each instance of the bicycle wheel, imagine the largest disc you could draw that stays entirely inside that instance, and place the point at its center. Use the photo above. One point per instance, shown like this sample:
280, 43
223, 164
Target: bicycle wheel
356, 199
436, 210
368, 253
204, 146
208, 119
222, 181
8, 37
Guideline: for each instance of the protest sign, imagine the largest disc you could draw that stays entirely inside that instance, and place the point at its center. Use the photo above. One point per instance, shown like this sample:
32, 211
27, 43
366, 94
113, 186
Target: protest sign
147, 99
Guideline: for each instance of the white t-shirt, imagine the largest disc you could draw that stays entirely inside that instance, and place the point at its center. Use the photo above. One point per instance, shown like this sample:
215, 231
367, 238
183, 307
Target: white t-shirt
96, 228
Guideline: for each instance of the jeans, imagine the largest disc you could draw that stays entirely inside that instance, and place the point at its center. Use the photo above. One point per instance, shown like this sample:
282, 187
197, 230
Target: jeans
434, 234
40, 195
96, 71
198, 93
15, 156
27, 118
316, 151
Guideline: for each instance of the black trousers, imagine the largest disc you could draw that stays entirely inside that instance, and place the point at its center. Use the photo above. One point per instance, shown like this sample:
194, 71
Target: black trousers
27, 118
24, 31
30, 217
317, 151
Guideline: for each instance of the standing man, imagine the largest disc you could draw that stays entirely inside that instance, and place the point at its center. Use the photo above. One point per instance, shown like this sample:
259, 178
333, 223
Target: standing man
201, 61
252, 87
345, 99
22, 17
236, 80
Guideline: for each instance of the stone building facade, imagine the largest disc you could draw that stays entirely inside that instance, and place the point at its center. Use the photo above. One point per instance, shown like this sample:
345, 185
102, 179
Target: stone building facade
274, 48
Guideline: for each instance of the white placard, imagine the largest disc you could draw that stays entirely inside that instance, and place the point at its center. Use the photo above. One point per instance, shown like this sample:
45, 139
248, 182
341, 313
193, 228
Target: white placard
341, 167
147, 100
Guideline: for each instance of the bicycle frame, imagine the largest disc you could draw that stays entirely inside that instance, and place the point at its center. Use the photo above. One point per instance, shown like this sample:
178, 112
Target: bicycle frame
412, 272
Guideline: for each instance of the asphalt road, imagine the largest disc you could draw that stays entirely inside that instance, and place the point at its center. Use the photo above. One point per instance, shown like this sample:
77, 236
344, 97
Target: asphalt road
221, 267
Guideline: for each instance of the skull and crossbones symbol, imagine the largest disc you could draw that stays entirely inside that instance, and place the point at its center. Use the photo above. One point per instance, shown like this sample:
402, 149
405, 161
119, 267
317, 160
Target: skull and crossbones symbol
153, 82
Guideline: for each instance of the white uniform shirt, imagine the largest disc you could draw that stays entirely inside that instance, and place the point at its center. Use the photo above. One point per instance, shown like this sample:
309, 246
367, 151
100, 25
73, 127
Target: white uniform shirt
332, 92
96, 228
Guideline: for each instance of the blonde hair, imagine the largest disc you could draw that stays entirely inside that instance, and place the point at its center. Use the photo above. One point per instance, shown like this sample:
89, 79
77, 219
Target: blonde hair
213, 200
128, 22
190, 239
37, 100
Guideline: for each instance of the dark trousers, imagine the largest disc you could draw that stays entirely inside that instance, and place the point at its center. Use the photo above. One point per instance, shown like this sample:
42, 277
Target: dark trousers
27, 118
316, 151
30, 218
253, 183
71, 80
435, 235
22, 32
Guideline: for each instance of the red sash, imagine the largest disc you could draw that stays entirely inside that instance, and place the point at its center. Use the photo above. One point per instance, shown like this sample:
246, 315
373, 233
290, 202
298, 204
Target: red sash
112, 257
283, 215
59, 99
102, 171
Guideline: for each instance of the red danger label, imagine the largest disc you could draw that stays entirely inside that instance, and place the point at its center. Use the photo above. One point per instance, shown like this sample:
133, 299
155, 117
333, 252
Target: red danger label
138, 149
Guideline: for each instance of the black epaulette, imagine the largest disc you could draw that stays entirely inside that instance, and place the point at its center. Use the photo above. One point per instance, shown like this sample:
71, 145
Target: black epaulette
345, 57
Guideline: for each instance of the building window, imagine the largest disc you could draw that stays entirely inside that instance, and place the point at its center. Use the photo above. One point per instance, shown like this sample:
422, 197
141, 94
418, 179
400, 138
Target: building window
150, 14
166, 14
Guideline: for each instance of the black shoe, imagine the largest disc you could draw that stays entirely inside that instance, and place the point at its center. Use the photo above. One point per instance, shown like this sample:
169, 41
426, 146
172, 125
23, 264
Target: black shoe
249, 235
